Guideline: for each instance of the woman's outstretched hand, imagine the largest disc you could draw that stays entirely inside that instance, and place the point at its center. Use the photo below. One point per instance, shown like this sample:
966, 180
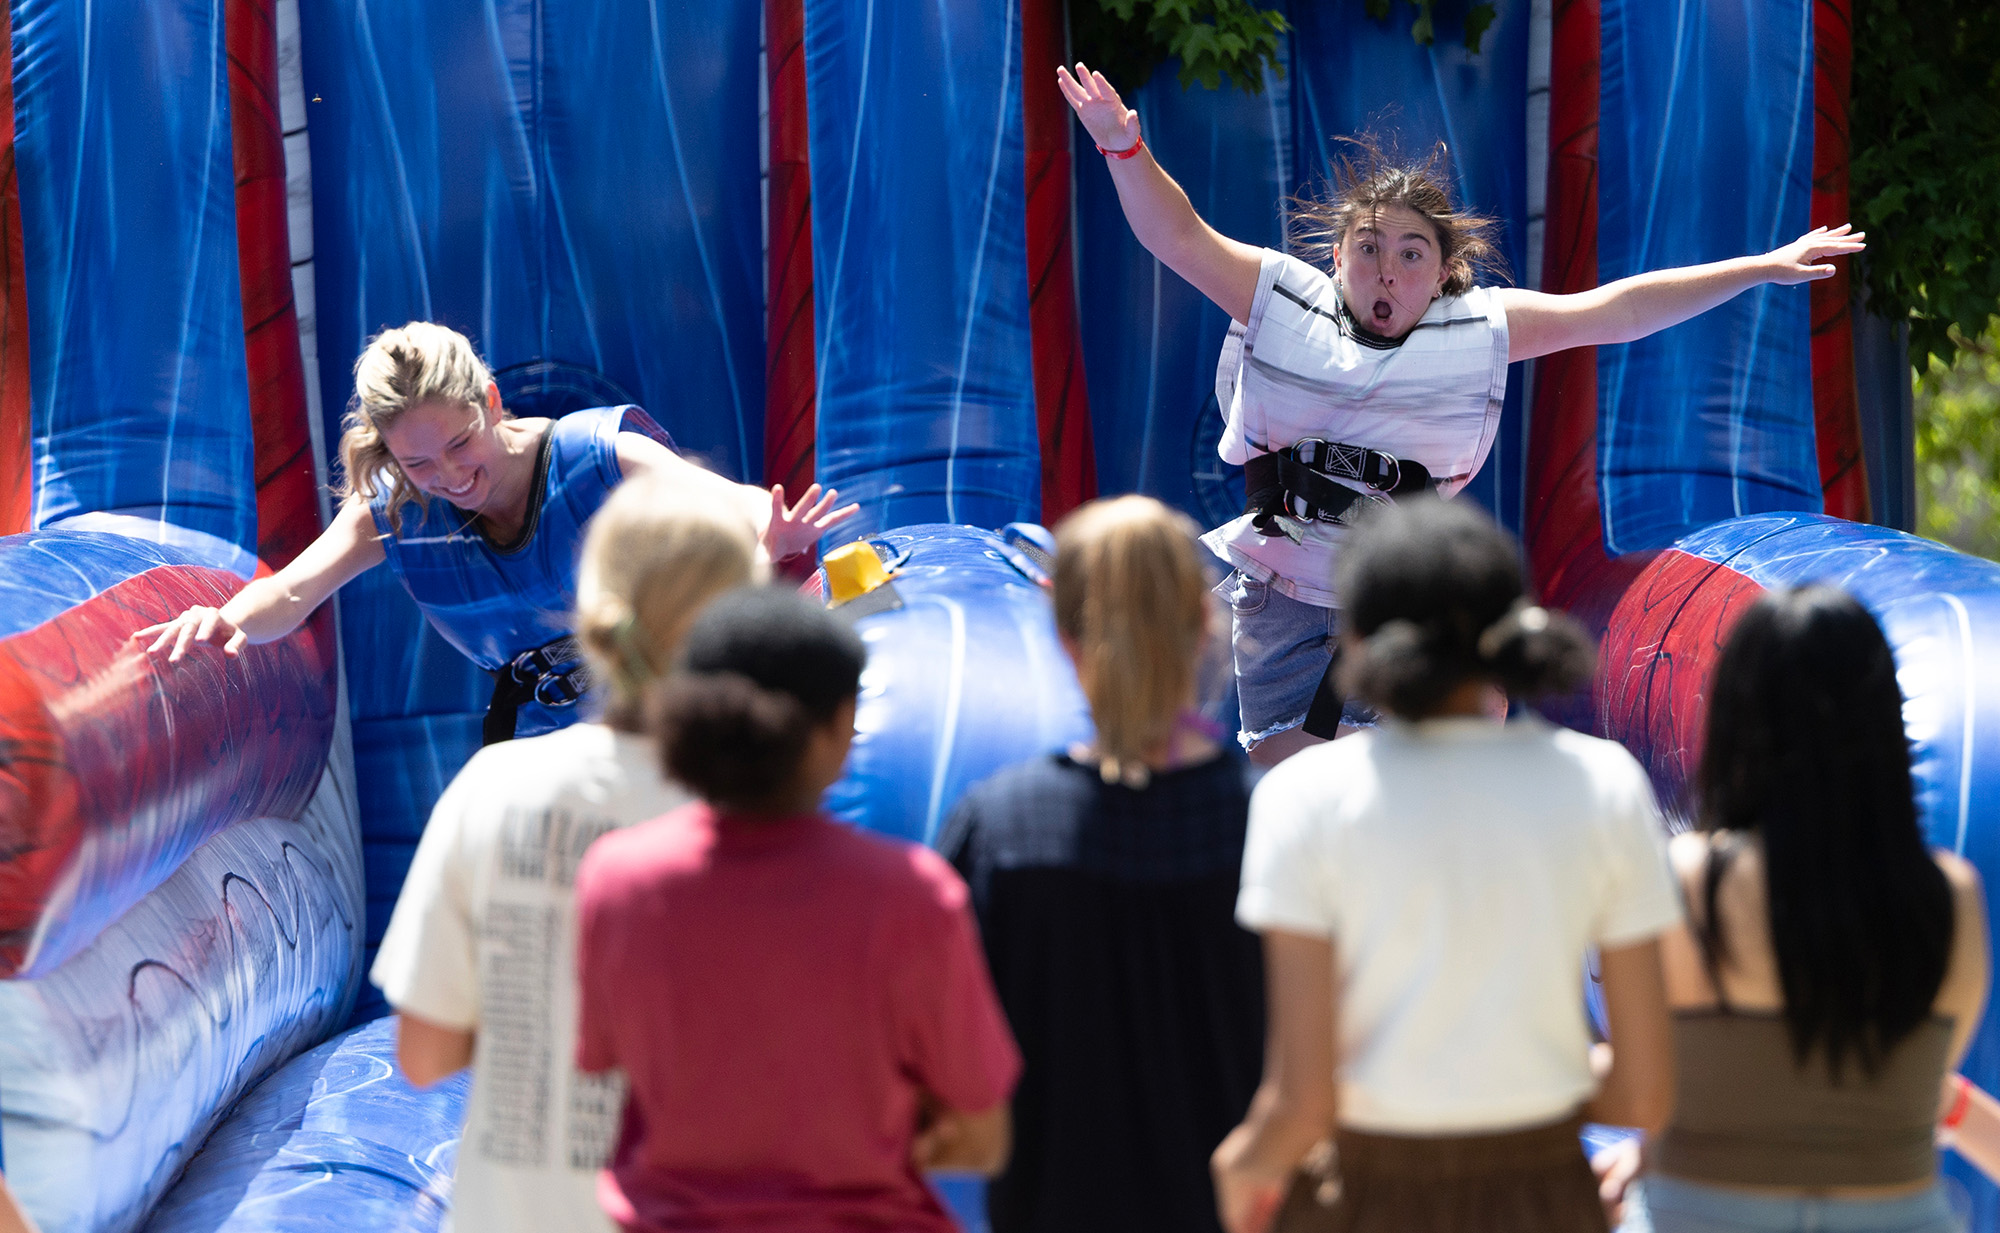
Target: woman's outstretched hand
793, 529
1810, 256
1110, 123
197, 624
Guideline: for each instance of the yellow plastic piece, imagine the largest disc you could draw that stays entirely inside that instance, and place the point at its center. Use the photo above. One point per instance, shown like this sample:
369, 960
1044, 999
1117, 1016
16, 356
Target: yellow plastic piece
853, 570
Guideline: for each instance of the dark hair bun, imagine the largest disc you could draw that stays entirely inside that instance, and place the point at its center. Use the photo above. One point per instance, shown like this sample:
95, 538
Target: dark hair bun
1432, 592
761, 667
1533, 651
729, 741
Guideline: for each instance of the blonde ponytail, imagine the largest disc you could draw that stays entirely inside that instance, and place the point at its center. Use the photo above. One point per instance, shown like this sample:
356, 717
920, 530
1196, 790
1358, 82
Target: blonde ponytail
652, 560
417, 363
1131, 596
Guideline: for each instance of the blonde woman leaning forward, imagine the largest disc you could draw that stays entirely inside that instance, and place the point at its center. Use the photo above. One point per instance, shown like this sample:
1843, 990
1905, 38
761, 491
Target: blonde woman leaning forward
479, 515
1428, 892
479, 957
1089, 868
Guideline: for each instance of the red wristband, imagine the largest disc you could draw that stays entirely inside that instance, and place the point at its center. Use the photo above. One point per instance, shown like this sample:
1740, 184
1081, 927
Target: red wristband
1961, 1104
1128, 152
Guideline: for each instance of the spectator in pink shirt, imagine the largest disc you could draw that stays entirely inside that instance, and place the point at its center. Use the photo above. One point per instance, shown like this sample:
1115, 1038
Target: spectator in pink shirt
802, 1011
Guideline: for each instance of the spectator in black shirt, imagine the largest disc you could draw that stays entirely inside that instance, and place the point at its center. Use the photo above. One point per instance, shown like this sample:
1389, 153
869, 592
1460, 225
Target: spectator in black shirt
1105, 883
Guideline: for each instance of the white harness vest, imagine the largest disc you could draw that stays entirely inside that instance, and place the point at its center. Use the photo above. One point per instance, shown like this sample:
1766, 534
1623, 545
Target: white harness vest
1299, 369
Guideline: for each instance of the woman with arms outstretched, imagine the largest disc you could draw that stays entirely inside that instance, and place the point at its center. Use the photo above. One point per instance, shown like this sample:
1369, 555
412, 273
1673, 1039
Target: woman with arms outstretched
1380, 376
481, 516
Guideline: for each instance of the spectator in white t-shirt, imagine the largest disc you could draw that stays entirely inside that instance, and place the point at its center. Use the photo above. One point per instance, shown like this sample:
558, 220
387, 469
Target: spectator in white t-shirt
479, 958
1428, 893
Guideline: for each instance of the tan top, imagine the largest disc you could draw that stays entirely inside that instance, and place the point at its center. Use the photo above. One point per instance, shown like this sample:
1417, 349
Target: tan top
1747, 1115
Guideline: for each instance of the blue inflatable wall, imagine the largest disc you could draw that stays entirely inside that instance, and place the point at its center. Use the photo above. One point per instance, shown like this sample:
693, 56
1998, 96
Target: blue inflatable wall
140, 405
1151, 341
1705, 148
574, 185
925, 387
966, 677
1354, 74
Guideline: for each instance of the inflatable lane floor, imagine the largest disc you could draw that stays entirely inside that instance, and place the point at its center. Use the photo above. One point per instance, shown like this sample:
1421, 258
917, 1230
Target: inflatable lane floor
180, 881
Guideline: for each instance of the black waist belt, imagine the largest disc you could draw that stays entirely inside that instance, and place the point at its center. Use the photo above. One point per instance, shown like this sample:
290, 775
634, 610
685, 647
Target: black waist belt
1300, 481
553, 674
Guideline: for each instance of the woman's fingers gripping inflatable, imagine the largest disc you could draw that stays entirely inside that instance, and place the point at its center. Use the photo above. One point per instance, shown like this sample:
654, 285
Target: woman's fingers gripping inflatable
196, 625
1810, 257
795, 528
1111, 124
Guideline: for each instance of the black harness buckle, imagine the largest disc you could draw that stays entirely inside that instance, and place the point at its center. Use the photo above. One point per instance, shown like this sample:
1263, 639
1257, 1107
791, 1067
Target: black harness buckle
554, 675
1301, 481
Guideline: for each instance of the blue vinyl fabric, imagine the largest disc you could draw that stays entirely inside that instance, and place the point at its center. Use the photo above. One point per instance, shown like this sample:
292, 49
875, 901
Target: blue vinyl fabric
1941, 612
1150, 340
925, 388
1351, 74
574, 184
1705, 144
335, 1142
140, 401
966, 677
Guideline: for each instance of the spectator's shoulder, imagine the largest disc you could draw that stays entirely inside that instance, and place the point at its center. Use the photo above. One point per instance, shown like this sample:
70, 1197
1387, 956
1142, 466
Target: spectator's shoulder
624, 860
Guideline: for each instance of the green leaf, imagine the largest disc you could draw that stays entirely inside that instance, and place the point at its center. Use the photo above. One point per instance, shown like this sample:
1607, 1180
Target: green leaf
1478, 19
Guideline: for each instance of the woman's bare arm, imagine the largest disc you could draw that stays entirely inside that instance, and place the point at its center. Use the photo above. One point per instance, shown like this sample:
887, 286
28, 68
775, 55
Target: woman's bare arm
783, 529
268, 608
429, 1053
967, 1142
1159, 212
1629, 309
1295, 1104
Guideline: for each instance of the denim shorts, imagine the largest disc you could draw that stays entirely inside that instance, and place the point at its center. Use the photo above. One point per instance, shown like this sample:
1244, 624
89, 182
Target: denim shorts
1282, 648
1670, 1205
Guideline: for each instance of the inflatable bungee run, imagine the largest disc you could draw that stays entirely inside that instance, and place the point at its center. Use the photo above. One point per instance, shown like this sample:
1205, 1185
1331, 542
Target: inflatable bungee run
814, 239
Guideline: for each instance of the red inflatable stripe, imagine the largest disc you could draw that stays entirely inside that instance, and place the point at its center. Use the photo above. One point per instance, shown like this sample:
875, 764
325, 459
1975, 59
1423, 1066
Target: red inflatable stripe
1062, 403
115, 765
1664, 638
16, 457
790, 412
287, 496
1843, 476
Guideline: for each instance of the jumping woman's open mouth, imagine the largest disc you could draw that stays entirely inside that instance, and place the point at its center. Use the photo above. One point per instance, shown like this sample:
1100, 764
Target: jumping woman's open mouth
1382, 311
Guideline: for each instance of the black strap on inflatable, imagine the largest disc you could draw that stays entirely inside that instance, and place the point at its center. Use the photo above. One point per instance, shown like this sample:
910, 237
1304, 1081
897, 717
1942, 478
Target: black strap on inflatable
1298, 481
1323, 717
553, 674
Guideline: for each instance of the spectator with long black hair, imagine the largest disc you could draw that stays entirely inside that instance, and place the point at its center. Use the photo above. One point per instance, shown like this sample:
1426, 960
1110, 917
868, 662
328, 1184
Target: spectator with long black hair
1834, 967
1428, 892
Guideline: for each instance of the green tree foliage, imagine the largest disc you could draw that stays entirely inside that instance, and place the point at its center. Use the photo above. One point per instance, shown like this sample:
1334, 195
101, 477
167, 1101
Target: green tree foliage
1215, 40
1925, 172
1958, 445
1478, 18
1225, 40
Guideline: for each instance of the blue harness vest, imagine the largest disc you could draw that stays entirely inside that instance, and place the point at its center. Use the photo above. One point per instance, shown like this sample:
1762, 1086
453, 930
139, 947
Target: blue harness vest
509, 607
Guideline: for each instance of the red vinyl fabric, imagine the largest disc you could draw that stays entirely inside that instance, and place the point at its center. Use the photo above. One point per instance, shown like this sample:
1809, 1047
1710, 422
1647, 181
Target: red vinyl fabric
1836, 408
1062, 403
16, 465
789, 406
287, 502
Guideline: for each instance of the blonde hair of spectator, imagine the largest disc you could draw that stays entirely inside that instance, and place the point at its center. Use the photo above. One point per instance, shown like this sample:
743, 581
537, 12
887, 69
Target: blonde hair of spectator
401, 368
652, 559
1131, 597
